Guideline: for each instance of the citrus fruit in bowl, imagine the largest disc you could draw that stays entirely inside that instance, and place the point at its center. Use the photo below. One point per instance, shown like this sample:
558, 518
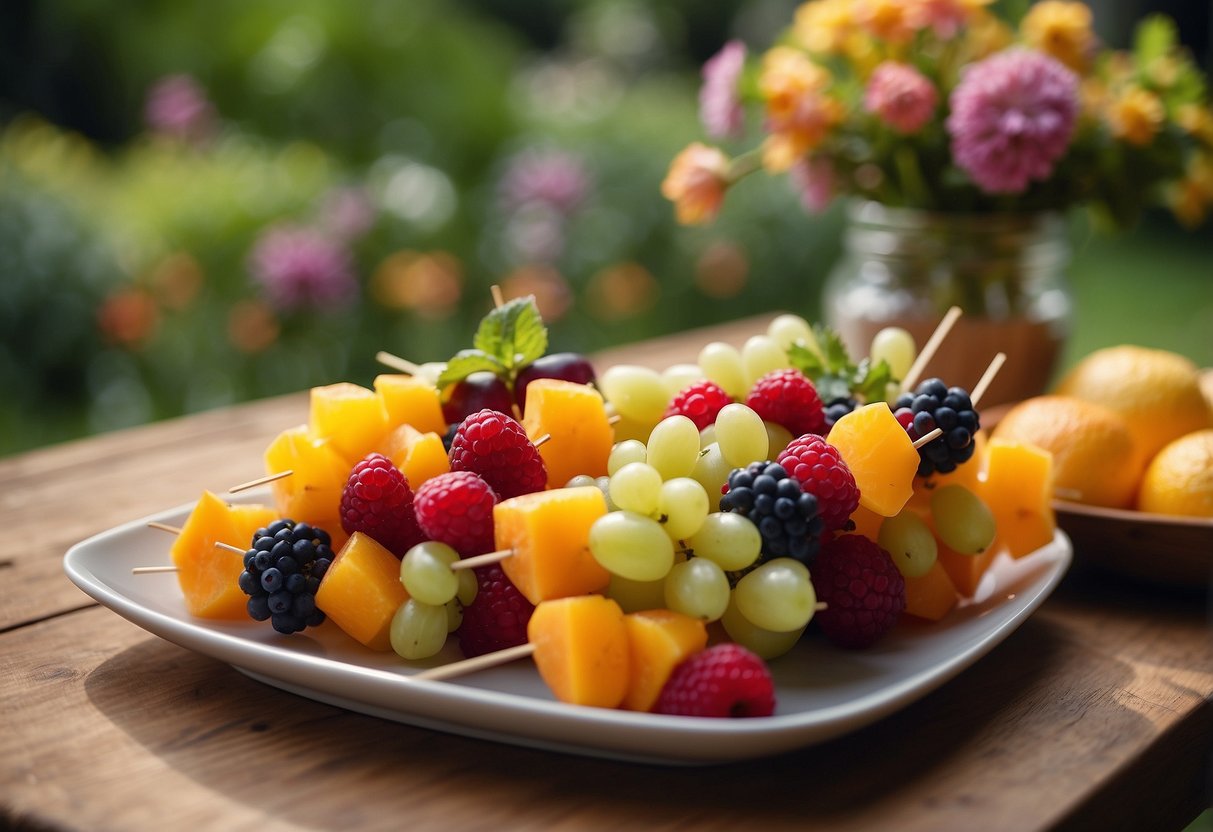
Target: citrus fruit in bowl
1179, 480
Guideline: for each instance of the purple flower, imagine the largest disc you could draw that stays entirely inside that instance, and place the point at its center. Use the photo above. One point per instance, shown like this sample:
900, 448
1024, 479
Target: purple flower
1012, 118
816, 180
299, 267
177, 106
901, 96
545, 177
720, 108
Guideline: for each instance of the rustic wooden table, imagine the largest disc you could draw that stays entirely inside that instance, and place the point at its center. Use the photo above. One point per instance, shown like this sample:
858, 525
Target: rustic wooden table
1096, 713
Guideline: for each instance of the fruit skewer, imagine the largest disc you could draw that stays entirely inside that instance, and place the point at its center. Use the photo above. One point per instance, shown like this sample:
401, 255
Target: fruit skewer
930, 348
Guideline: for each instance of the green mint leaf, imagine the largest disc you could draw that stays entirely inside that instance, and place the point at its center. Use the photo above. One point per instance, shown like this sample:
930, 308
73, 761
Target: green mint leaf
871, 380
833, 350
804, 359
513, 334
465, 363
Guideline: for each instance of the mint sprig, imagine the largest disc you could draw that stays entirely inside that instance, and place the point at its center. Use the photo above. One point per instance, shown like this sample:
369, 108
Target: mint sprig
508, 339
832, 372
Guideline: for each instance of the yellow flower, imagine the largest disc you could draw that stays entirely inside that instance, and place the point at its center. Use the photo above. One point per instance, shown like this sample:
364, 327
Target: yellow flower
986, 34
823, 26
1136, 116
696, 183
892, 21
1191, 196
799, 112
1062, 29
1196, 121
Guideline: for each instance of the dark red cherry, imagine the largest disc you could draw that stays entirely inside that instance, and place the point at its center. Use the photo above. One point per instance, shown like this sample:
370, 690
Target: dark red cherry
566, 366
475, 393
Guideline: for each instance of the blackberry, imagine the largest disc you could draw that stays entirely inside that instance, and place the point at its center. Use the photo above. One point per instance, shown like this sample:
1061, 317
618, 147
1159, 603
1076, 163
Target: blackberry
282, 571
449, 436
837, 408
786, 515
935, 405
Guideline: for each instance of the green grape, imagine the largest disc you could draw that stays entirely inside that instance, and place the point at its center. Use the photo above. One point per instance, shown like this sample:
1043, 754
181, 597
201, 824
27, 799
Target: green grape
712, 471
896, 347
778, 438
962, 521
636, 487
634, 596
741, 434
765, 643
697, 587
580, 481
761, 355
682, 506
638, 393
418, 630
707, 436
679, 377
777, 595
468, 587
426, 572
728, 539
631, 545
786, 330
629, 450
909, 542
721, 363
673, 447
454, 613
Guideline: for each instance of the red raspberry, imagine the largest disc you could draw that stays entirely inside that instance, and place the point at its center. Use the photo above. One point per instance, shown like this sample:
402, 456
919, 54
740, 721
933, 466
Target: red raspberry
820, 470
378, 502
495, 447
862, 588
700, 403
788, 398
457, 509
725, 680
498, 616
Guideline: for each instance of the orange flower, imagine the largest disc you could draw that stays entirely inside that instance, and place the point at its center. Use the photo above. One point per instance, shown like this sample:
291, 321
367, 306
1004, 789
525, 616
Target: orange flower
621, 291
427, 283
552, 294
1196, 121
722, 270
177, 279
1191, 196
823, 26
1136, 116
252, 326
1061, 28
128, 317
799, 112
696, 183
892, 21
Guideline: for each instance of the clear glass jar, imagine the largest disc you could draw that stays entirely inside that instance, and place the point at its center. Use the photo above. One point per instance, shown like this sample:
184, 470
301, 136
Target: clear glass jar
1007, 272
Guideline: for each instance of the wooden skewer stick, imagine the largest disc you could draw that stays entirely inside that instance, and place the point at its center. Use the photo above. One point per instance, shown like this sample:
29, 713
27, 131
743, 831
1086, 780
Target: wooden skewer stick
547, 437
244, 486
482, 560
165, 527
922, 440
614, 420
461, 668
398, 363
929, 349
149, 570
498, 298
988, 377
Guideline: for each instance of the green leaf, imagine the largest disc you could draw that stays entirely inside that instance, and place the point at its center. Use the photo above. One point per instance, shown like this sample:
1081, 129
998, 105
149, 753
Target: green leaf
513, 334
465, 363
871, 380
833, 373
1155, 36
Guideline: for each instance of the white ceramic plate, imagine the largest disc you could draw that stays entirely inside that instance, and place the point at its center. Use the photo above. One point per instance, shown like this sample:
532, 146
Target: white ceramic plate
822, 691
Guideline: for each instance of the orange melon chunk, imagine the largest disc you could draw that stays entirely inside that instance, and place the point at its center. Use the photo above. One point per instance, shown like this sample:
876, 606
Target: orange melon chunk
965, 570
207, 574
361, 591
867, 522
575, 418
312, 494
419, 456
549, 533
658, 640
350, 416
1019, 491
581, 649
880, 454
409, 400
931, 596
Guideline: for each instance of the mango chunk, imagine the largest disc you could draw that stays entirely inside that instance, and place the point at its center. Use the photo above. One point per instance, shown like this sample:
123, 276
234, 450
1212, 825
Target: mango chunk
361, 591
1019, 491
419, 456
349, 416
965, 570
549, 533
658, 641
880, 455
207, 574
312, 494
581, 649
931, 596
409, 400
575, 418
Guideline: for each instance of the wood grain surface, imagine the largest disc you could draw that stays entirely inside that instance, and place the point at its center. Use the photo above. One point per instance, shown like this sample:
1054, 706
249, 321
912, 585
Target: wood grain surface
1096, 713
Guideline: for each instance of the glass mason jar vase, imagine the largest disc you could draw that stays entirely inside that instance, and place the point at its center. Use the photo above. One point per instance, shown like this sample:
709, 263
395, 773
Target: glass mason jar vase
1007, 273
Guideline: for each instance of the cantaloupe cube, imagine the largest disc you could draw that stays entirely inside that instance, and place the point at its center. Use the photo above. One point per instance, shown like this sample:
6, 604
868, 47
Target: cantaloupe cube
409, 400
361, 591
658, 641
575, 418
206, 573
867, 522
581, 649
880, 455
419, 456
350, 416
312, 494
1019, 491
965, 570
931, 596
549, 533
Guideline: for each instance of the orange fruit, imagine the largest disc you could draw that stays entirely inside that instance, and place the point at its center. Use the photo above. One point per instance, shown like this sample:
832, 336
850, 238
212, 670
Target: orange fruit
1096, 459
1206, 385
1157, 392
1179, 480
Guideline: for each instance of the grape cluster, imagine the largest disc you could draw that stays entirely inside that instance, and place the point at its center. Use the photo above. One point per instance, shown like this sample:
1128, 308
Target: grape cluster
935, 405
282, 571
786, 515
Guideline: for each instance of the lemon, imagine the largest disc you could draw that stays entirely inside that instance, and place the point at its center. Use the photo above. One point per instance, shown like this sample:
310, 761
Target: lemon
1096, 459
1179, 480
1157, 392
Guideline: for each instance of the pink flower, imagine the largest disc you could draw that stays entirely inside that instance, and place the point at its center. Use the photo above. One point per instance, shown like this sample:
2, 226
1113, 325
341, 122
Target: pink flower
550, 178
901, 96
347, 212
177, 106
720, 108
816, 180
299, 267
1012, 118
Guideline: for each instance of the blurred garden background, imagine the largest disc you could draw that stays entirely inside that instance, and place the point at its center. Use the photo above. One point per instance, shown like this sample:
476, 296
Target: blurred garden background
206, 203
